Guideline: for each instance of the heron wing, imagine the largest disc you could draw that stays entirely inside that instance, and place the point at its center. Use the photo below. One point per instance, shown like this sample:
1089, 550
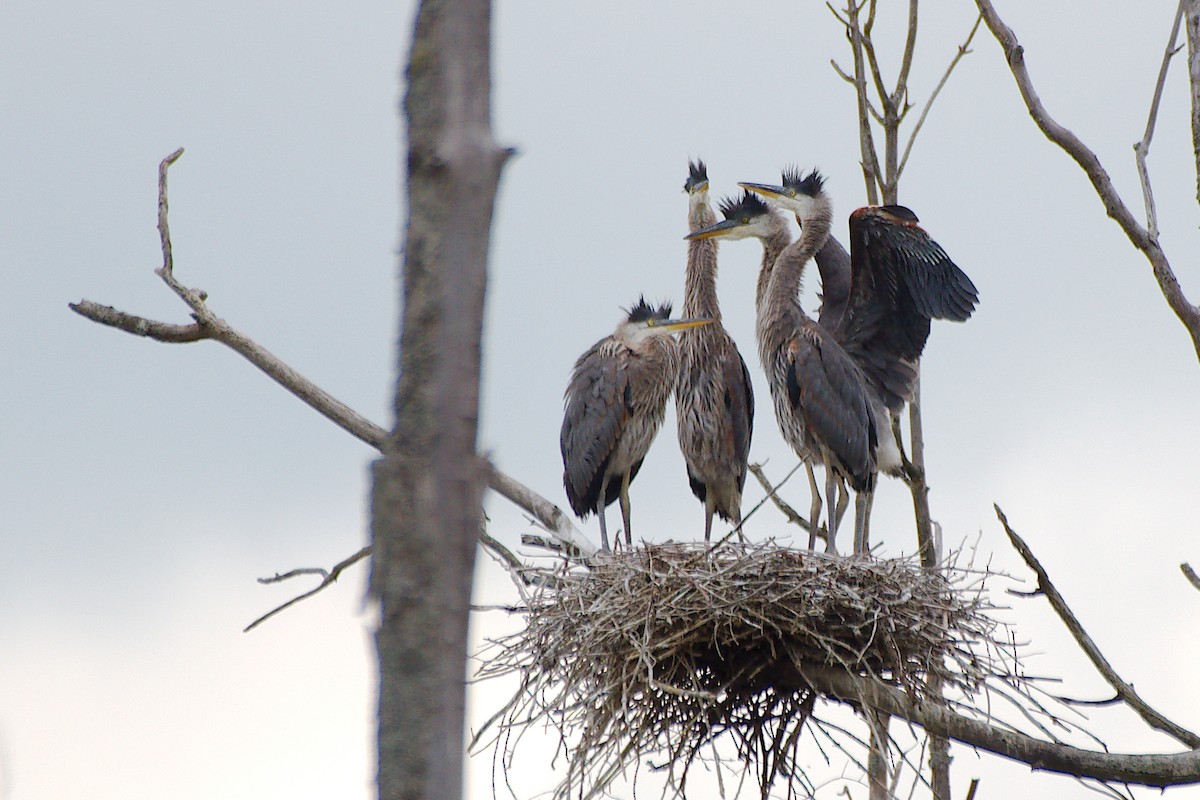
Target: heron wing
597, 406
739, 408
901, 279
828, 389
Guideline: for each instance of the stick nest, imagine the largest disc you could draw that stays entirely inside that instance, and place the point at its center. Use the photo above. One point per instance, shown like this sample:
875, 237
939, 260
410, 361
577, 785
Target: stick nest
667, 647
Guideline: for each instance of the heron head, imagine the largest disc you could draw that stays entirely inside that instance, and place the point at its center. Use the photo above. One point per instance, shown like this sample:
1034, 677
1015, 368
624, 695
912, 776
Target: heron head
745, 217
644, 321
697, 181
798, 193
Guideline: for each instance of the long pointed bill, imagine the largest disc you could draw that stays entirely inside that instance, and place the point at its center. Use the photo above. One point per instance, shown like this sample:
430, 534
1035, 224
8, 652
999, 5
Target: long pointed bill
767, 190
674, 325
718, 229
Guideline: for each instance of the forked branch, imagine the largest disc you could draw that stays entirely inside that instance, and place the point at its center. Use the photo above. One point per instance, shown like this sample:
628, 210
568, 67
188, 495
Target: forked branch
208, 325
1124, 690
1115, 207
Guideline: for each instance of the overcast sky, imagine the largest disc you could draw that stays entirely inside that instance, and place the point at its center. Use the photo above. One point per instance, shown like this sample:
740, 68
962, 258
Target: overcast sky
145, 487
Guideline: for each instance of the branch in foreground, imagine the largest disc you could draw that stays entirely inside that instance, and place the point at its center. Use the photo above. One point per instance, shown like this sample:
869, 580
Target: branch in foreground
1014, 54
1124, 691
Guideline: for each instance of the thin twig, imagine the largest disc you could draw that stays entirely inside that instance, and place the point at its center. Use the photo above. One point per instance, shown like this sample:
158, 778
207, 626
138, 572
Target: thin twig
1142, 149
784, 507
330, 578
963, 49
1126, 691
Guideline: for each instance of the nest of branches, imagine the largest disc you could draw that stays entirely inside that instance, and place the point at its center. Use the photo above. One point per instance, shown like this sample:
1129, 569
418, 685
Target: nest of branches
668, 648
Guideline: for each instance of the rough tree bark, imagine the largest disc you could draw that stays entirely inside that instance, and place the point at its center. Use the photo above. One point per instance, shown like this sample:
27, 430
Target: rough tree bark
426, 504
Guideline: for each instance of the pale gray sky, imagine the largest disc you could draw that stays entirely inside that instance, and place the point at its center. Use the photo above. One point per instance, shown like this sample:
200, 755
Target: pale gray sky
146, 486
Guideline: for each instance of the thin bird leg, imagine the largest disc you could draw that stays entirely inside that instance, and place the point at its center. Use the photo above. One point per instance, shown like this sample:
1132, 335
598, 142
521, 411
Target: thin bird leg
600, 513
625, 509
814, 511
831, 518
709, 504
843, 499
862, 511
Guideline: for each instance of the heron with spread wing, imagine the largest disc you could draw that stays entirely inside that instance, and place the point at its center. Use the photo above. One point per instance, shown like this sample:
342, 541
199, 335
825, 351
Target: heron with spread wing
614, 404
835, 388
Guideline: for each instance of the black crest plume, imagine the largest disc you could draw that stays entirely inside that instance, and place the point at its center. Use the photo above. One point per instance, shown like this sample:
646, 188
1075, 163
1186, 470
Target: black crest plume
697, 174
748, 205
643, 311
810, 184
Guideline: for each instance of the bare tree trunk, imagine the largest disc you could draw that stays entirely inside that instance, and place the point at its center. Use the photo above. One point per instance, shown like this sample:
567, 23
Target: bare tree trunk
426, 512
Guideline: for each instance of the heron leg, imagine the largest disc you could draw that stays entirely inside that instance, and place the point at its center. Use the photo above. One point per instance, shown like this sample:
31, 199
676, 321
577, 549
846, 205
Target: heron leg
862, 514
709, 504
831, 516
843, 499
814, 509
625, 509
600, 513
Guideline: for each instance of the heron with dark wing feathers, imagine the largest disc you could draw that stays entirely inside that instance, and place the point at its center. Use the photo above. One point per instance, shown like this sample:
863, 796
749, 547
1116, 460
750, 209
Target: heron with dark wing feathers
714, 400
835, 388
614, 405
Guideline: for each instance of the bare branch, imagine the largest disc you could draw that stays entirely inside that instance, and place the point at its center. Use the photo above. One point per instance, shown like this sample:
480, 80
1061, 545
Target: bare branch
140, 326
1166, 769
1124, 690
1187, 313
870, 161
210, 326
963, 49
793, 516
329, 579
1142, 149
1192, 11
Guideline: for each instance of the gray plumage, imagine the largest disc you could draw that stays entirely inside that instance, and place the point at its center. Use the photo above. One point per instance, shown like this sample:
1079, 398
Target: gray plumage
614, 404
834, 386
714, 400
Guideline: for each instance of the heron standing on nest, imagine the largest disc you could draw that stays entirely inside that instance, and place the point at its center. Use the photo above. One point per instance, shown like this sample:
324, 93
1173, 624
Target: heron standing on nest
615, 403
714, 401
833, 390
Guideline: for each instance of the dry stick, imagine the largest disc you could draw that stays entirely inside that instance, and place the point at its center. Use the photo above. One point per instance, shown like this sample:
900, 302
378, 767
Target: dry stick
1124, 690
1142, 149
328, 579
792, 514
1014, 54
963, 49
1192, 12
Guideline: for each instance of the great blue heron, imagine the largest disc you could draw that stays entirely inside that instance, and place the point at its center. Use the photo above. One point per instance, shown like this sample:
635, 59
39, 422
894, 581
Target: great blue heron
746, 217
714, 401
833, 389
613, 406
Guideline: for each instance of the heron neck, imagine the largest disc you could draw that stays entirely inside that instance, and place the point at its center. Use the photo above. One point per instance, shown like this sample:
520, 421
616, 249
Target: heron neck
773, 246
700, 283
784, 286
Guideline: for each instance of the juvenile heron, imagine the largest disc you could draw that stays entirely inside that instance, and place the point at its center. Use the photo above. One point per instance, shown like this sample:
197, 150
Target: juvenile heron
750, 217
834, 389
714, 401
613, 406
